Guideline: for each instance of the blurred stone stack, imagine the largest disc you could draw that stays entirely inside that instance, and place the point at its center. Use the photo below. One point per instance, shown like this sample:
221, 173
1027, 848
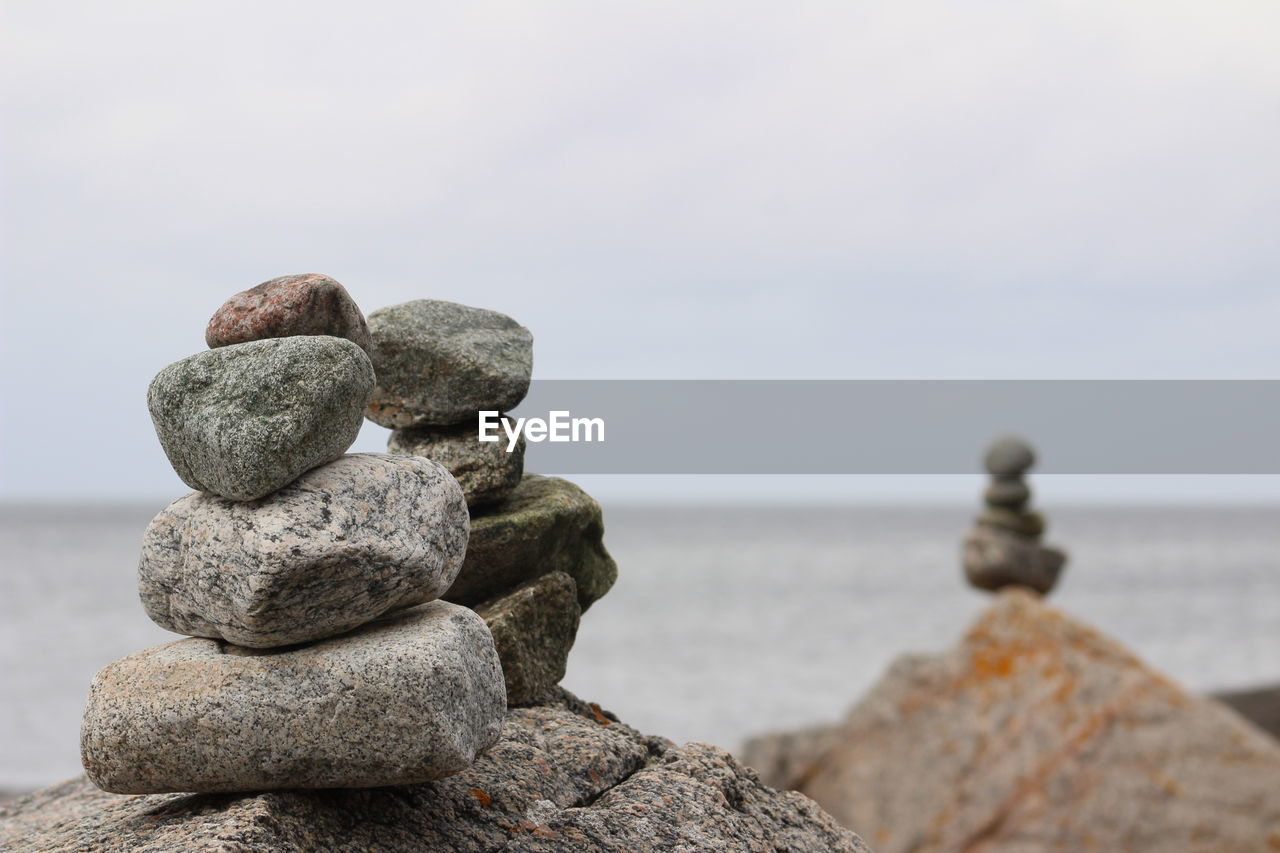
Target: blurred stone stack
1004, 548
536, 558
320, 654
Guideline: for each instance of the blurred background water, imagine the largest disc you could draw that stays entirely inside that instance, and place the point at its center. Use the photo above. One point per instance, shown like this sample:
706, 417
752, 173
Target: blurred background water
725, 621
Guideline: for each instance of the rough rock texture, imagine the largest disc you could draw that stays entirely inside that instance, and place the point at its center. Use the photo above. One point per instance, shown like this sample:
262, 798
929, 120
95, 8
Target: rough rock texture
546, 525
533, 628
563, 778
994, 559
487, 472
1037, 734
342, 544
782, 758
439, 363
412, 697
306, 304
242, 421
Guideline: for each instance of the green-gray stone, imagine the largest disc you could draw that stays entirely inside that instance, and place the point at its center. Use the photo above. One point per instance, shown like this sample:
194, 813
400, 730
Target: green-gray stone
242, 421
1009, 457
484, 469
546, 525
1010, 494
439, 363
534, 627
1029, 524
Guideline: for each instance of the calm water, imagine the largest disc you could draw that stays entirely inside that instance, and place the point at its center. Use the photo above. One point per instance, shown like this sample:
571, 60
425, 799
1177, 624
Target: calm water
724, 622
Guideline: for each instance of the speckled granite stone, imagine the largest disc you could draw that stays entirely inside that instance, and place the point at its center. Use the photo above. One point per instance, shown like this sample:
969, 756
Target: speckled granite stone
563, 778
242, 421
342, 544
306, 304
487, 472
533, 628
546, 525
439, 363
994, 559
411, 697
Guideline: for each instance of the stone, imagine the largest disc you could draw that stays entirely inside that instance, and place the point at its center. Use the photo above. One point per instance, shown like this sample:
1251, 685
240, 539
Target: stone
781, 758
546, 525
1039, 733
533, 628
564, 777
994, 559
244, 420
1010, 494
412, 697
1028, 524
306, 304
1258, 705
487, 472
1009, 457
339, 546
439, 363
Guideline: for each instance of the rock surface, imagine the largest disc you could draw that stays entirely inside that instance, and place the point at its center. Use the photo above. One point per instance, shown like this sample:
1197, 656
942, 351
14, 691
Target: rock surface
995, 558
1037, 733
487, 472
563, 778
242, 421
1009, 457
546, 525
439, 363
339, 546
533, 629
412, 697
306, 304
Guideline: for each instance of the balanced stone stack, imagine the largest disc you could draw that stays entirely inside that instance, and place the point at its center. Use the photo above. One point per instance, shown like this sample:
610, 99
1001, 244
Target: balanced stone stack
321, 655
536, 558
1004, 549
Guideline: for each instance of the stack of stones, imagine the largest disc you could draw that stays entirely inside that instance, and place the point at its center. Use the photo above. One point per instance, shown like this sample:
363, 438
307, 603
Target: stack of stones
536, 559
1004, 548
309, 581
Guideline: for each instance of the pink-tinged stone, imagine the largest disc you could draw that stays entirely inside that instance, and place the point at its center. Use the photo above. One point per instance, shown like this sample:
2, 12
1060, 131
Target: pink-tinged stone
306, 304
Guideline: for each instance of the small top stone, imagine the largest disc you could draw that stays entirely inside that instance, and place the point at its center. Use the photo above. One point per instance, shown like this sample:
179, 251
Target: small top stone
1009, 457
438, 363
305, 304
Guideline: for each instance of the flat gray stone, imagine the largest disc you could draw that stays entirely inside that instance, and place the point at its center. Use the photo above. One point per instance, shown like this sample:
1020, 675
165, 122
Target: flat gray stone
533, 629
242, 421
563, 778
412, 697
306, 304
994, 559
487, 472
1009, 494
546, 525
439, 363
339, 546
1029, 524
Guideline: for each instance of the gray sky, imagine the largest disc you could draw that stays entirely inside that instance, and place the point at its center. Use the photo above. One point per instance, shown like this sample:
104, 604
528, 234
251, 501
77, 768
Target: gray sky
735, 190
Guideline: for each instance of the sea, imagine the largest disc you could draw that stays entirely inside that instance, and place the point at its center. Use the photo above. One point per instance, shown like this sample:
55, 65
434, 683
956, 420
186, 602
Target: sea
725, 622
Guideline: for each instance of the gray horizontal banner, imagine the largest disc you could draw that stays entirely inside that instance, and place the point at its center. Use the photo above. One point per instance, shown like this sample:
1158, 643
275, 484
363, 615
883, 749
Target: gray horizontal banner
898, 427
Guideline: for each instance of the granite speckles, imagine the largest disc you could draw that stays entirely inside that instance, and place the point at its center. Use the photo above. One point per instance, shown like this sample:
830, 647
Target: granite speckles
412, 697
438, 363
486, 471
306, 304
242, 421
533, 627
342, 544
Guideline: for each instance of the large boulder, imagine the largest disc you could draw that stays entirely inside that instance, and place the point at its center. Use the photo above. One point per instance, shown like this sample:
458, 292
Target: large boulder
409, 698
1038, 733
533, 628
244, 420
563, 778
306, 304
439, 363
342, 544
545, 525
485, 469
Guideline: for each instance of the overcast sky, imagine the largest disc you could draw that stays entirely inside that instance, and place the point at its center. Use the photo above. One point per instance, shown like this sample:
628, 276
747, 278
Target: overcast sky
714, 189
